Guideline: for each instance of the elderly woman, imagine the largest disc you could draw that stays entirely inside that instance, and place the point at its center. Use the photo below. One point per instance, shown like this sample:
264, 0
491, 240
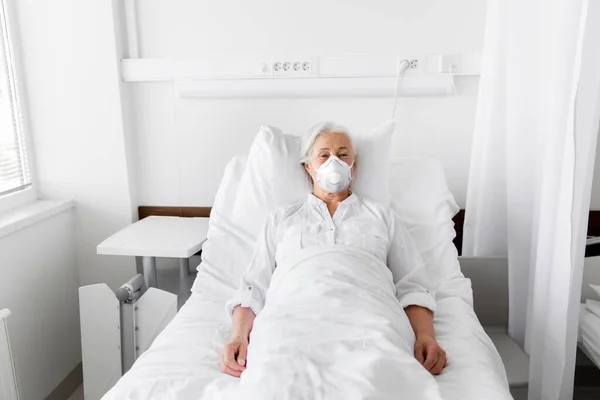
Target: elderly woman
333, 215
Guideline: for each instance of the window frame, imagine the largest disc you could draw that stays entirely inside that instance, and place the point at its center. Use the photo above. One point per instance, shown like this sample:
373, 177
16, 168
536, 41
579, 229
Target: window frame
8, 16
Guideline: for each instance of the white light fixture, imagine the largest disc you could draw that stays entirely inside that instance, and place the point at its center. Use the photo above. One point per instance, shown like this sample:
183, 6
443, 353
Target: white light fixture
315, 87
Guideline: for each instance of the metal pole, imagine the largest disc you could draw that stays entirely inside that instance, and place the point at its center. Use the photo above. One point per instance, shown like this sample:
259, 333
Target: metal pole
184, 268
150, 276
128, 353
184, 275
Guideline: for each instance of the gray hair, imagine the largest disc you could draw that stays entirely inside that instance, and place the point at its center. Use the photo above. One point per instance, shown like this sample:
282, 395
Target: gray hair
315, 131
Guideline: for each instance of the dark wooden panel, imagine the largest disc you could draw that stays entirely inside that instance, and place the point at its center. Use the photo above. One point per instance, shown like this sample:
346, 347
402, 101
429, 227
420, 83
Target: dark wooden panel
594, 223
188, 212
459, 221
593, 230
196, 211
146, 211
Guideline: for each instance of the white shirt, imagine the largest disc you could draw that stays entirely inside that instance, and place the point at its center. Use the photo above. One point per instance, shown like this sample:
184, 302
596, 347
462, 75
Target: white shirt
356, 222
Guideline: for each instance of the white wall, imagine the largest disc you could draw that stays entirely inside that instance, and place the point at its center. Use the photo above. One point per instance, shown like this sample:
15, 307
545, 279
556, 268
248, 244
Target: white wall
38, 283
183, 146
214, 130
74, 102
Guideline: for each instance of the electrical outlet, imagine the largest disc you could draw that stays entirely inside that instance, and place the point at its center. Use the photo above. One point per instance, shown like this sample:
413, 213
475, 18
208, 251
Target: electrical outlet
294, 67
414, 63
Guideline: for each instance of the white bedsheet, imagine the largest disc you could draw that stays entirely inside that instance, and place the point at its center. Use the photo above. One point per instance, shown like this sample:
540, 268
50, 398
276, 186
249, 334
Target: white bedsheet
183, 361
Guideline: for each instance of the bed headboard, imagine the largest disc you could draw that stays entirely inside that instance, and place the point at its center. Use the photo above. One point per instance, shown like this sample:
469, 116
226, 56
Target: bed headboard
189, 212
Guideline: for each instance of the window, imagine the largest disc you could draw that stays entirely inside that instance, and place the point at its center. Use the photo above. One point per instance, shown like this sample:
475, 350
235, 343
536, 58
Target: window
15, 176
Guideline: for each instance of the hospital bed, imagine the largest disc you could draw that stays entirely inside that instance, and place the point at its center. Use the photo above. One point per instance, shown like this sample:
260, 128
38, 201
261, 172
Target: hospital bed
183, 360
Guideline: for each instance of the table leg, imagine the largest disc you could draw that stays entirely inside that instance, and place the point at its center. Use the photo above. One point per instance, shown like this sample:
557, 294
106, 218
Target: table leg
184, 267
138, 265
150, 278
184, 285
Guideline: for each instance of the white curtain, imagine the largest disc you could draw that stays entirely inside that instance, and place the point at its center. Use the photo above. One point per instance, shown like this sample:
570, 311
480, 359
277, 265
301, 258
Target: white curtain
531, 171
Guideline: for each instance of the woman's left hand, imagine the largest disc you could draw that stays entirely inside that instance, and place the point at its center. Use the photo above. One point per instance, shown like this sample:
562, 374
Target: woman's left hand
429, 353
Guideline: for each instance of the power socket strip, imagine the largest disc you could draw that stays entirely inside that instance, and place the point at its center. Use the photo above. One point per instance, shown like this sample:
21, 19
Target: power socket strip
294, 67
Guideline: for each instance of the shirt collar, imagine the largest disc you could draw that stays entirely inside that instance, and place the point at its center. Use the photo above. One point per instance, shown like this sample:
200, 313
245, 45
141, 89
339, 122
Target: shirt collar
312, 199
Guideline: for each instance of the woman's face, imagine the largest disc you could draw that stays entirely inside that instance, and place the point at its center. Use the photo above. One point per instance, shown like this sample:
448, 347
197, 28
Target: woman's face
326, 145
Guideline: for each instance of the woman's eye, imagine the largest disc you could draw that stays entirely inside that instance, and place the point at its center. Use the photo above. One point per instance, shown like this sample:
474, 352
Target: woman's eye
324, 156
343, 155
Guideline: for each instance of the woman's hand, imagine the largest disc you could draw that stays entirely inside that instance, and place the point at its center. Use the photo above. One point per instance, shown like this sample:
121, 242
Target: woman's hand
429, 353
233, 356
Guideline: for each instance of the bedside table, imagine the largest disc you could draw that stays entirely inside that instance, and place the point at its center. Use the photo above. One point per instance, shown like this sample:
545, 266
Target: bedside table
158, 236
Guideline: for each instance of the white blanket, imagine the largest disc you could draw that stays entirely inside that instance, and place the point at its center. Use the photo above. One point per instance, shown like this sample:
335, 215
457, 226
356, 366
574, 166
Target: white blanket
332, 328
182, 363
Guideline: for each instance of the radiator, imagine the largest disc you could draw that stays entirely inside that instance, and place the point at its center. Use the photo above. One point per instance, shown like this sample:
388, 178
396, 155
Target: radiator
8, 378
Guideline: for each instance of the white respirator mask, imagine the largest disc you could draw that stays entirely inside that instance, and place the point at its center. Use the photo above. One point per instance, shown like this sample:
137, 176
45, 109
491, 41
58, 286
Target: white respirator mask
334, 175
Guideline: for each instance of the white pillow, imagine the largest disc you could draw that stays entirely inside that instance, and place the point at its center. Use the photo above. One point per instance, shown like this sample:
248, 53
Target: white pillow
372, 173
226, 250
227, 191
422, 201
273, 177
